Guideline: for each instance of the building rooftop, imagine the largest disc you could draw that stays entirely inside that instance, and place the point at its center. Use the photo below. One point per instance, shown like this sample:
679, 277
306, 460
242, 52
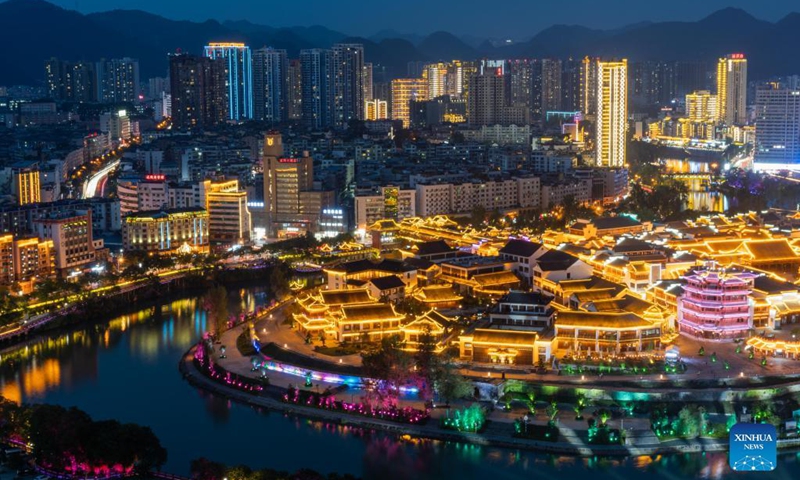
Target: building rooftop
525, 298
504, 337
433, 248
580, 319
520, 248
554, 260
346, 297
388, 282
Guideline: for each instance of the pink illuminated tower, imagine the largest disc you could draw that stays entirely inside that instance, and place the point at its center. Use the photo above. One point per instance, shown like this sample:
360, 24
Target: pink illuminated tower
716, 304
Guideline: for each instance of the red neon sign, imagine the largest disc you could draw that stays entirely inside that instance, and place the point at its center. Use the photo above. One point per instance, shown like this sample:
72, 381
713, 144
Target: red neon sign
737, 56
158, 177
288, 160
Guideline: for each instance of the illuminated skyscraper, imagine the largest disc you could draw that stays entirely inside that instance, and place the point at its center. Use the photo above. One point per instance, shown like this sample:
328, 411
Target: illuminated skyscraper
199, 92
549, 91
519, 83
487, 104
76, 82
732, 89
368, 92
376, 109
295, 90
240, 77
701, 106
317, 67
404, 90
777, 128
118, 80
26, 185
611, 113
348, 83
270, 85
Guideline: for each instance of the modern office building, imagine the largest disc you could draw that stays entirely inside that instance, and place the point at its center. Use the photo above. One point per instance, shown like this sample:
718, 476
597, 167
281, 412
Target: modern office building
26, 185
22, 259
332, 82
610, 100
376, 109
199, 91
229, 219
519, 82
549, 82
294, 95
348, 83
387, 202
270, 85
239, 64
71, 81
71, 233
317, 83
701, 106
367, 82
293, 207
777, 128
732, 89
118, 80
404, 90
183, 230
487, 104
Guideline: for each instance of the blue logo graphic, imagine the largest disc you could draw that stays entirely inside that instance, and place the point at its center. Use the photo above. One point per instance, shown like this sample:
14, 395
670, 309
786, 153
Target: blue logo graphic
753, 447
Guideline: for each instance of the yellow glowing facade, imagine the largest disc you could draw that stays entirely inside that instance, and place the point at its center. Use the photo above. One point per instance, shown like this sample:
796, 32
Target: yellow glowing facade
732, 89
701, 106
22, 259
28, 187
376, 109
166, 231
403, 91
611, 94
229, 217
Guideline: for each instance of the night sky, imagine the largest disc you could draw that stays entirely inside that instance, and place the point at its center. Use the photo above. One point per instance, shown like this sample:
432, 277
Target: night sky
512, 19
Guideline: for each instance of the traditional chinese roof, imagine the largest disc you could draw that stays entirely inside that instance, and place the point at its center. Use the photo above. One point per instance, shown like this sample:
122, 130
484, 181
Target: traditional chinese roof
610, 223
554, 260
346, 297
420, 264
770, 285
433, 248
388, 282
385, 265
525, 298
496, 278
375, 311
776, 249
582, 296
495, 336
628, 245
581, 319
431, 317
520, 248
437, 293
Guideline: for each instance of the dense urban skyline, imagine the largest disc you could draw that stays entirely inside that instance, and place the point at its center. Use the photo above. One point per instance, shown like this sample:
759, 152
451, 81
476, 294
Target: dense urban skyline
581, 244
518, 19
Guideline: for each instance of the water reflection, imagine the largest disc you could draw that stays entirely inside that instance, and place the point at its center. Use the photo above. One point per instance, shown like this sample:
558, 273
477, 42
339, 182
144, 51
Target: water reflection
695, 174
126, 369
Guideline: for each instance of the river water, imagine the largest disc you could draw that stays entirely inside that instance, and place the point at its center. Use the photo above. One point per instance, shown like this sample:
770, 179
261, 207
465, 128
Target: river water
127, 369
694, 174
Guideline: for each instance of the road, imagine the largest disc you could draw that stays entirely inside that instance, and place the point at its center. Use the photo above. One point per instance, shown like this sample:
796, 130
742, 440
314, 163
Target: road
96, 184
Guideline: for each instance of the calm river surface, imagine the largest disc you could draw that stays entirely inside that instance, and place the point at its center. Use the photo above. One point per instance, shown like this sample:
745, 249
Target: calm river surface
127, 369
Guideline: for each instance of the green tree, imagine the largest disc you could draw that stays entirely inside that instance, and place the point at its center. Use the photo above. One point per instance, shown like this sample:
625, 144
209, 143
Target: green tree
389, 366
215, 303
477, 216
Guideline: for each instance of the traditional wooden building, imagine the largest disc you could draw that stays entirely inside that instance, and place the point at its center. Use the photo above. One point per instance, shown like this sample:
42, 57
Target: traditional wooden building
438, 296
